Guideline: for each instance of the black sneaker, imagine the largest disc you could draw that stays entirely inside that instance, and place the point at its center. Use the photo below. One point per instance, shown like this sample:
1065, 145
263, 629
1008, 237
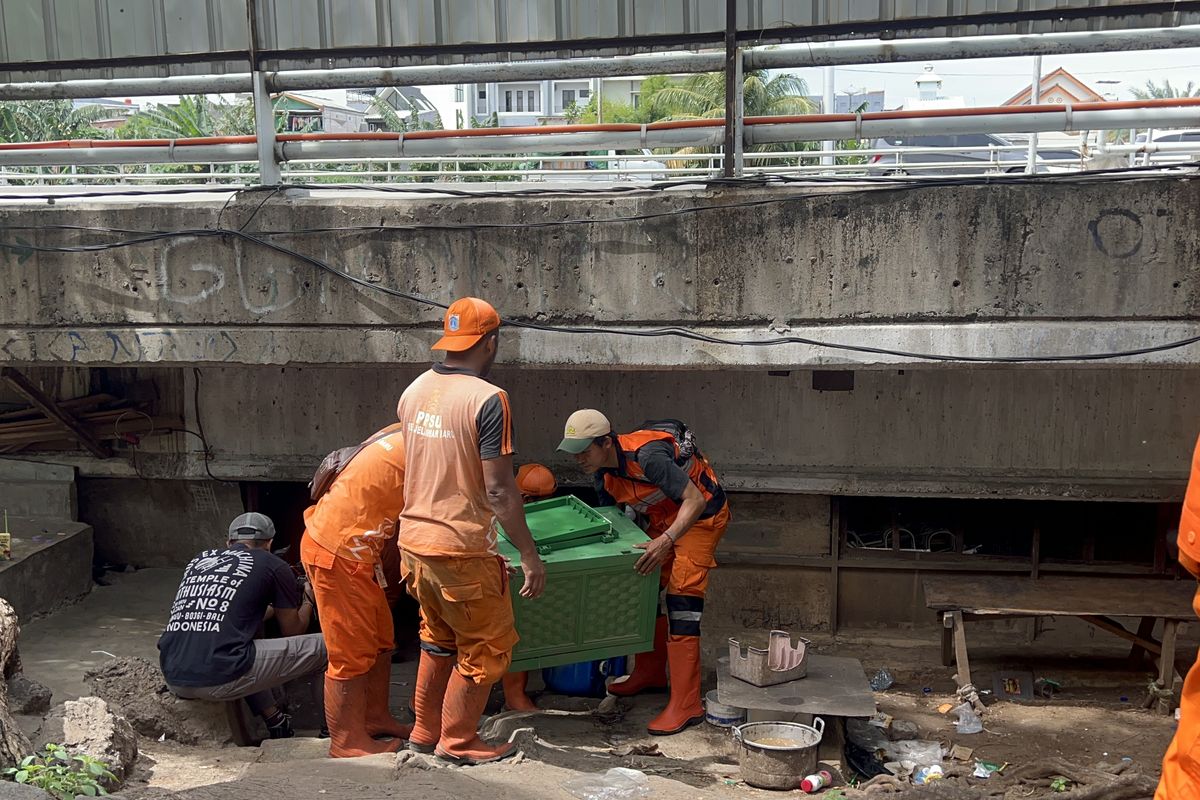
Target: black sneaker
281, 729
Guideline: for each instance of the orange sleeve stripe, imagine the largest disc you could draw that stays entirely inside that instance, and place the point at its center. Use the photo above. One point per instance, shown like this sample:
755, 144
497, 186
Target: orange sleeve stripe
506, 446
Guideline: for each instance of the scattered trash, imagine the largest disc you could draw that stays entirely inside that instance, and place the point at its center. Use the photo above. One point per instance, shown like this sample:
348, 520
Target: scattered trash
1060, 784
926, 691
984, 769
883, 680
103, 653
960, 753
1013, 685
1123, 699
916, 751
903, 729
1127, 758
881, 720
968, 721
817, 781
636, 750
162, 738
1047, 687
618, 783
928, 774
901, 769
944, 708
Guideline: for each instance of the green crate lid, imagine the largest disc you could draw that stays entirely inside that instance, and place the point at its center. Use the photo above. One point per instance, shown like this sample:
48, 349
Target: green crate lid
562, 522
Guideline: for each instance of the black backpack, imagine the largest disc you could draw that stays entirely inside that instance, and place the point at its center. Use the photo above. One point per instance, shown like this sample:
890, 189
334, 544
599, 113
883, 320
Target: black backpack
332, 465
685, 440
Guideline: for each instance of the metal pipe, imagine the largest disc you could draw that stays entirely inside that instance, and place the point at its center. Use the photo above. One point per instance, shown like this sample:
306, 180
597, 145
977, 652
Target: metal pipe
729, 160
103, 156
1035, 97
264, 128
1059, 119
827, 101
944, 49
813, 55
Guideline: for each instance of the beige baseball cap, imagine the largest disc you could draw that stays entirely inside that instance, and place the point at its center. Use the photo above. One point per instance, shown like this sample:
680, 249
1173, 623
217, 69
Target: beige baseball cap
582, 428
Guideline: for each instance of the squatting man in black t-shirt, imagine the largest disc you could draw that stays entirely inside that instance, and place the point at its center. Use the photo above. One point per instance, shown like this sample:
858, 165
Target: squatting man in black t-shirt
208, 650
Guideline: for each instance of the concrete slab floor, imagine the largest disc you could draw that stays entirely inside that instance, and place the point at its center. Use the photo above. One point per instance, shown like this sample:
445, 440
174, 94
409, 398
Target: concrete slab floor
122, 619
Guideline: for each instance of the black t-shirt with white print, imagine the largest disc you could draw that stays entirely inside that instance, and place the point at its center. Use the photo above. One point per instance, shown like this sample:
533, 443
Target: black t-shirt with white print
209, 639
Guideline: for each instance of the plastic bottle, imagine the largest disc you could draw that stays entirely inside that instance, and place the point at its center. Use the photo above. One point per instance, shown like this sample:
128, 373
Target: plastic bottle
814, 782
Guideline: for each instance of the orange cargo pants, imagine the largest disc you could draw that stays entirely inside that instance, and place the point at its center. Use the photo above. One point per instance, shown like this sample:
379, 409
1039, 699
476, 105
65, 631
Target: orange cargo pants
686, 571
465, 608
1181, 765
355, 617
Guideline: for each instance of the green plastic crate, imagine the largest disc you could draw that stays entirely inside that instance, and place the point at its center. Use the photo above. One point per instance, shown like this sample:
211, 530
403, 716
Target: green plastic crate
595, 605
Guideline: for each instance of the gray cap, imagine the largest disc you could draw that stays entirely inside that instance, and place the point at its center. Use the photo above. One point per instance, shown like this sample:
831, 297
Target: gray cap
252, 525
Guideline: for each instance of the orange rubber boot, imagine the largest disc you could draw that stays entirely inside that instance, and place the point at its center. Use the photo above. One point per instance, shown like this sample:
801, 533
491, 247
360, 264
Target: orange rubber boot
460, 743
649, 669
380, 721
515, 699
684, 708
432, 674
346, 717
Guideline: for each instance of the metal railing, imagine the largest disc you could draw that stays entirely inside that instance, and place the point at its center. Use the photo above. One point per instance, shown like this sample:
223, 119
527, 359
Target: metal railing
629, 167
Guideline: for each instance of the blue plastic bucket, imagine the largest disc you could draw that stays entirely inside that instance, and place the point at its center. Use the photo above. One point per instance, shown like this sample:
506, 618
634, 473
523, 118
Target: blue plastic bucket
585, 679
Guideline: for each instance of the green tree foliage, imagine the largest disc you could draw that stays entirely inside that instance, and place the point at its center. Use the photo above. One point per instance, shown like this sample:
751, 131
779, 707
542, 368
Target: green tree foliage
1154, 91
48, 121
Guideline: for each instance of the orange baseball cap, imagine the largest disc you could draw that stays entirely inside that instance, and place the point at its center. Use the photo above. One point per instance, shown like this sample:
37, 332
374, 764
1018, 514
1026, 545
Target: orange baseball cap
535, 480
468, 320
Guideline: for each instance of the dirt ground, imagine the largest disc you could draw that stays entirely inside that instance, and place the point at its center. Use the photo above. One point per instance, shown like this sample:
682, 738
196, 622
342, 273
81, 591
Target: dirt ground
1096, 717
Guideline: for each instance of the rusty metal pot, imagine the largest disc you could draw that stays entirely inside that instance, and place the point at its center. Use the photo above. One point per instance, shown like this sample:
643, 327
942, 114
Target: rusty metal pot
788, 755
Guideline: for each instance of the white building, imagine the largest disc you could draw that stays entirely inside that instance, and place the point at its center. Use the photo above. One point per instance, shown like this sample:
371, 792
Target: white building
929, 93
536, 102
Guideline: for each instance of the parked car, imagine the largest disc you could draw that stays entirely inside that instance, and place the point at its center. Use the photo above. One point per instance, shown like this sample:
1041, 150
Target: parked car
964, 154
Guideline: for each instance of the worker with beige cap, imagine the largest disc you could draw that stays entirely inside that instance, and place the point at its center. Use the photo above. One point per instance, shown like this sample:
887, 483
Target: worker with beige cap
458, 483
658, 472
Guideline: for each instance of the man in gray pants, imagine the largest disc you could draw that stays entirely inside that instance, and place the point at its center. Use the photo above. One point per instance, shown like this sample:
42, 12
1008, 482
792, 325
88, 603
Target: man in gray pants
209, 651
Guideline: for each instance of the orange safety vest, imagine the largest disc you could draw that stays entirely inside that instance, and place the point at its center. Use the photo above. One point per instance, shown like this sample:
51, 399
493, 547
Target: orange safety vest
629, 485
1181, 765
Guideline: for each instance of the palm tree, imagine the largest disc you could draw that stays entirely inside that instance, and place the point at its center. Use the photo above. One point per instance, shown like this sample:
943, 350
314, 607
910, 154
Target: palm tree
48, 120
703, 96
192, 118
1152, 91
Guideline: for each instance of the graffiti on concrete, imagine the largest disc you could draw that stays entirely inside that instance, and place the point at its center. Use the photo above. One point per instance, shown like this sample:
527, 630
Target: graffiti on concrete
188, 274
1117, 233
119, 346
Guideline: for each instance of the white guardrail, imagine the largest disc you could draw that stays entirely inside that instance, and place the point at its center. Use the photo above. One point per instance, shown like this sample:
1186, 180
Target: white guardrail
635, 167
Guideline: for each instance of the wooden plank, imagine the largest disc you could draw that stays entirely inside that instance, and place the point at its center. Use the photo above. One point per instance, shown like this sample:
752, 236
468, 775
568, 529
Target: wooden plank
1117, 629
1061, 596
75, 404
1166, 667
947, 641
1137, 652
48, 407
962, 664
837, 535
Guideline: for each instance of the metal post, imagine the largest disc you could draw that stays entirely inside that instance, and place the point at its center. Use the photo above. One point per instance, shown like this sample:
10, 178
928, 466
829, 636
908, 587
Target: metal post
264, 129
1034, 98
264, 111
827, 102
731, 159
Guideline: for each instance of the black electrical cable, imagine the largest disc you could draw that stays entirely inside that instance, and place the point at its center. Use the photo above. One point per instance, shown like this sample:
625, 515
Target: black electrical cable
148, 237
208, 453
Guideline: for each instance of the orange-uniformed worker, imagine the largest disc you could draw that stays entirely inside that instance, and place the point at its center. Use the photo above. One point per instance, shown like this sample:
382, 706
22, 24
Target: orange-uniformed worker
535, 482
1181, 765
686, 512
345, 534
459, 482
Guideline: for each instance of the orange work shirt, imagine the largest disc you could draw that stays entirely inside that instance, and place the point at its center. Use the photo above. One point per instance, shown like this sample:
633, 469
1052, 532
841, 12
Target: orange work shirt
357, 517
1181, 764
453, 421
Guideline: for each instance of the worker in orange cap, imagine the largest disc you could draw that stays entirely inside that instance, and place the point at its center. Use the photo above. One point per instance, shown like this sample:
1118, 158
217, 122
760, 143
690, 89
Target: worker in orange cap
658, 472
458, 483
345, 533
1181, 765
535, 482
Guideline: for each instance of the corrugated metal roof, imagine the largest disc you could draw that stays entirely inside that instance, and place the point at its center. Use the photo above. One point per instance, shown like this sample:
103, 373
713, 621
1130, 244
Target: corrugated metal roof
63, 39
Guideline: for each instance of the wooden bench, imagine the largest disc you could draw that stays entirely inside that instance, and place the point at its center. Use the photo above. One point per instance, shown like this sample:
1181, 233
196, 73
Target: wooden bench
961, 598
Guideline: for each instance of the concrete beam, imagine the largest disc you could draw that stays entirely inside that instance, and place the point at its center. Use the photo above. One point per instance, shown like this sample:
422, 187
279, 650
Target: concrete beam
276, 345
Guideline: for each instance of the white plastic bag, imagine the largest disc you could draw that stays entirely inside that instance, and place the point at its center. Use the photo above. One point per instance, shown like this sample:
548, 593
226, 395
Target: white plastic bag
968, 720
618, 783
